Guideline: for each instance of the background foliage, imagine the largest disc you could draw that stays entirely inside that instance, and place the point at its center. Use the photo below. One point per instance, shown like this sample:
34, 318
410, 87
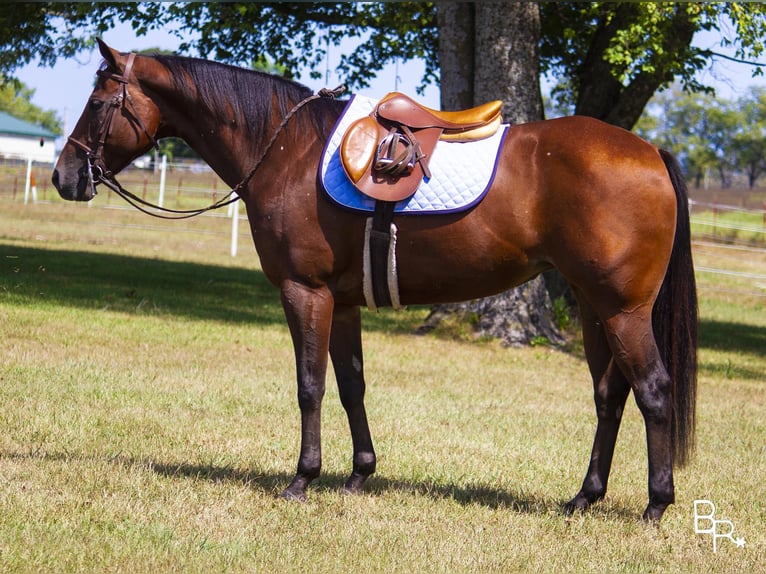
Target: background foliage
608, 58
712, 137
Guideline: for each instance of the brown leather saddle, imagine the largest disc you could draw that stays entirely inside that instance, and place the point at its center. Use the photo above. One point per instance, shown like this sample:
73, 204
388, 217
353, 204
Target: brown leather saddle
386, 154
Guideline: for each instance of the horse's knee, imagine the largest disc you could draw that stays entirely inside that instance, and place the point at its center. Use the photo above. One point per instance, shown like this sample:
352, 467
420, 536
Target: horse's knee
351, 392
653, 396
310, 397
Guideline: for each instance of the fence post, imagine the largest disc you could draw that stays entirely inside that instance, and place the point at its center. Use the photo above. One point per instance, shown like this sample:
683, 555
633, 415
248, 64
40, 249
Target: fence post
234, 227
715, 215
163, 172
29, 184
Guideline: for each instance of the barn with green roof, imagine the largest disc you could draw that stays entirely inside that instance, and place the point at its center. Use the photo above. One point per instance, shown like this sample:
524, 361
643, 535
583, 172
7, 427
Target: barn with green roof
23, 140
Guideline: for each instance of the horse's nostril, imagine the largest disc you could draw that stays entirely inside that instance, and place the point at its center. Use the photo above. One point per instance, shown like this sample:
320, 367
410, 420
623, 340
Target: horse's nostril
55, 178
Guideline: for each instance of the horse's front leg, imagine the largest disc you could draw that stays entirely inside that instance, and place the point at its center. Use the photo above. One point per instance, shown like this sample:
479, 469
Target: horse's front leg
346, 354
309, 317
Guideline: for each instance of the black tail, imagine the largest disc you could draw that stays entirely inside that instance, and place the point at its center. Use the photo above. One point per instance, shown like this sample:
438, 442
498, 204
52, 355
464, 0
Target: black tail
674, 319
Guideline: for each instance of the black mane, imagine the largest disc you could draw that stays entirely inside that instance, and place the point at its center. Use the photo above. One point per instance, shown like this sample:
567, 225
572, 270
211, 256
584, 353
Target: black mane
249, 93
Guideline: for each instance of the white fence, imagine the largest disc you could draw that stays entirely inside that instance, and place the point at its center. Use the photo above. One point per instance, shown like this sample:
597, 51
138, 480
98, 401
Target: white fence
714, 210
179, 185
195, 185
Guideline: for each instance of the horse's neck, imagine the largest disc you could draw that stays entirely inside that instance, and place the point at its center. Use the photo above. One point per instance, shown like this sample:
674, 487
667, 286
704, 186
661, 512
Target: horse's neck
222, 143
225, 134
206, 133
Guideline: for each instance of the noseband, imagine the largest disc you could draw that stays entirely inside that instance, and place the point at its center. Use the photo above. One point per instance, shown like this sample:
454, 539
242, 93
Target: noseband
97, 170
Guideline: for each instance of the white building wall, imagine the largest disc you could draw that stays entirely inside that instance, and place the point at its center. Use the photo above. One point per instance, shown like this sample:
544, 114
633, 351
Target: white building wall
26, 147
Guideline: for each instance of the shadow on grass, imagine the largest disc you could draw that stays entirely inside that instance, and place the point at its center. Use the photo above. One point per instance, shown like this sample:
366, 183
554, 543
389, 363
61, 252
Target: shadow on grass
138, 285
96, 281
732, 338
724, 336
272, 483
463, 494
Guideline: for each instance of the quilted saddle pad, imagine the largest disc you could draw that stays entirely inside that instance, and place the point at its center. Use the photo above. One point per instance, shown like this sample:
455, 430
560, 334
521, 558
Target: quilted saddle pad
461, 173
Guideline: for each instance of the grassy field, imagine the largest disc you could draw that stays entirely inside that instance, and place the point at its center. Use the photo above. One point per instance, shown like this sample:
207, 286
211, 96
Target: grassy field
149, 420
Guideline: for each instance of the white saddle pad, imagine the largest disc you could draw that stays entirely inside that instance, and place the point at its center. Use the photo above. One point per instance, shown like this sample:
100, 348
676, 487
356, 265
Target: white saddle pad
461, 173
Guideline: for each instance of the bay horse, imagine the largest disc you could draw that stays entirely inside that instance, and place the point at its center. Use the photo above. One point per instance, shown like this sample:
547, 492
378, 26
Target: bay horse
604, 207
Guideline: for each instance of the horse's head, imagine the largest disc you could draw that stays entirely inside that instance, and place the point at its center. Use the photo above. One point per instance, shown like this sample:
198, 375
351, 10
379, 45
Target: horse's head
119, 124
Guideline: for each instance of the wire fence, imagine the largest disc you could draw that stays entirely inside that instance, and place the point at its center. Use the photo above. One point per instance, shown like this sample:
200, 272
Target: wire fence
190, 185
180, 185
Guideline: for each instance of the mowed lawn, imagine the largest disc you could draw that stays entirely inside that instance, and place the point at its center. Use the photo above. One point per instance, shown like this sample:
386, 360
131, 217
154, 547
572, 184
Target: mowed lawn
149, 420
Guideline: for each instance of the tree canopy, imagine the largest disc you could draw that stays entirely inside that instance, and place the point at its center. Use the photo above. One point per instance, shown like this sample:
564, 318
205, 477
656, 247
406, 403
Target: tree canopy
611, 57
608, 58
712, 137
15, 99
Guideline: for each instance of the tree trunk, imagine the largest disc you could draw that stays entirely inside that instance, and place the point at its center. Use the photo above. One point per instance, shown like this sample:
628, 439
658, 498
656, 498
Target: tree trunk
489, 51
456, 54
601, 95
507, 62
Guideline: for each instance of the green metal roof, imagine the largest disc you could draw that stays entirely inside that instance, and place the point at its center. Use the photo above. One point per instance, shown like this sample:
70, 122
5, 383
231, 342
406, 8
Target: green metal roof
14, 126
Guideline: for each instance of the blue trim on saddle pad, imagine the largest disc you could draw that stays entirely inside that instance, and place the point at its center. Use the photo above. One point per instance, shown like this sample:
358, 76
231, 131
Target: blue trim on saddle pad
461, 173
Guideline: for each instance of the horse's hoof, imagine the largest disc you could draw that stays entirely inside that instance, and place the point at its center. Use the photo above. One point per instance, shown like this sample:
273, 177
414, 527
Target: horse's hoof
581, 502
578, 504
653, 513
292, 495
354, 484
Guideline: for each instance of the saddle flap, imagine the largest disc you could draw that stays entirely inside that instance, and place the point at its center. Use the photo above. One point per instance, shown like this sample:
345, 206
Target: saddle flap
386, 154
357, 148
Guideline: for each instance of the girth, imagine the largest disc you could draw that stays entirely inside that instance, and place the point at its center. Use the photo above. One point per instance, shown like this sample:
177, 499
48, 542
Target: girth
386, 156
380, 237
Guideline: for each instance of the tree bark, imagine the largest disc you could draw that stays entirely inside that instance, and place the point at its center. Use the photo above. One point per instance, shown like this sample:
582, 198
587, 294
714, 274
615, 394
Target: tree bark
456, 54
507, 61
489, 51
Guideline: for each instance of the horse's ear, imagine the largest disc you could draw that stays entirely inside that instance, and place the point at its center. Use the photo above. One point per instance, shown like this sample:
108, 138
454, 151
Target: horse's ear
109, 54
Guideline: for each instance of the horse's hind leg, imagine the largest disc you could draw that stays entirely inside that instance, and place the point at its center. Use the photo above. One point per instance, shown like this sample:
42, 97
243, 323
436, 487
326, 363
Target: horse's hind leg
611, 389
346, 355
631, 339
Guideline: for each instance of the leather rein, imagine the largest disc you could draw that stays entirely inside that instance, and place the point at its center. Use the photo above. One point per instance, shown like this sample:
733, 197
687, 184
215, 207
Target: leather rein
99, 173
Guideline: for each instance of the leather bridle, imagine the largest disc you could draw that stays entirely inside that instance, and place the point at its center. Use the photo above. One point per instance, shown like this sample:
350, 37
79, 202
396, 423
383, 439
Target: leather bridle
99, 173
93, 148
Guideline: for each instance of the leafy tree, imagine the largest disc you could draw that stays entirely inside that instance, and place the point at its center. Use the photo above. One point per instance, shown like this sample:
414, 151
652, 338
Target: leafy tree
609, 57
15, 99
710, 134
683, 123
749, 143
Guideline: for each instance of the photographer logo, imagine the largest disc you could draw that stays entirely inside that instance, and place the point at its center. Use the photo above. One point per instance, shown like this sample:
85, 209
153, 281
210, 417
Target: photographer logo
705, 523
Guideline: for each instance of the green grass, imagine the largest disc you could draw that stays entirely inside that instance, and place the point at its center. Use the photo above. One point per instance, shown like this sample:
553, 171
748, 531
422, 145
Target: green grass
733, 226
149, 420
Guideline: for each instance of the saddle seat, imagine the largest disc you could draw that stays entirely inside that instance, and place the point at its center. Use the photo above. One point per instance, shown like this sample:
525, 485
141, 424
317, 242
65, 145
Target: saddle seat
386, 154
463, 125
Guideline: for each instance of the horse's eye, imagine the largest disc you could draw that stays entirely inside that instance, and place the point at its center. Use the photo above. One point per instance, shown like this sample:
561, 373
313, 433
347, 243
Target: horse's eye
95, 105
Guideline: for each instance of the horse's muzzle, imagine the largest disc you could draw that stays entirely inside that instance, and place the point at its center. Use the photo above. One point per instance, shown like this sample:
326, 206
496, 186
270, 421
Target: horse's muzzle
73, 188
